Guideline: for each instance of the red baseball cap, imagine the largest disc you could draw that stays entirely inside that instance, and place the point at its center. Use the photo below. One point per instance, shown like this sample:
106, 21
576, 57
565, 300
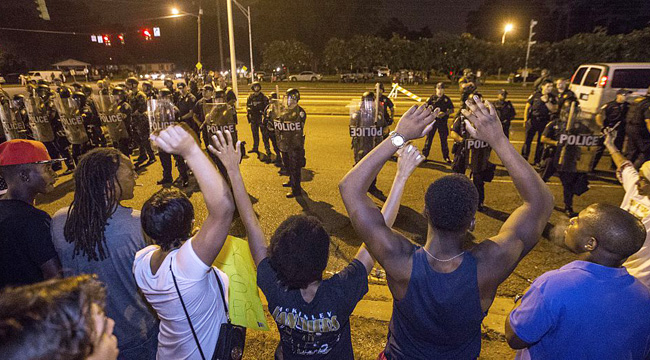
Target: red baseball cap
20, 151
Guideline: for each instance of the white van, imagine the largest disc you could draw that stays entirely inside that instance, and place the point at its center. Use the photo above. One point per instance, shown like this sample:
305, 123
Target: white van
596, 84
44, 74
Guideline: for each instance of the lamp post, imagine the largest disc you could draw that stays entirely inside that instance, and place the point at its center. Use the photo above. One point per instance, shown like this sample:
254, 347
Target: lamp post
176, 13
247, 13
233, 61
506, 30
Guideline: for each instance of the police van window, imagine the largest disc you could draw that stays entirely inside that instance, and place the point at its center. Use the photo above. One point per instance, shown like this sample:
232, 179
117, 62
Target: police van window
578, 78
592, 77
631, 78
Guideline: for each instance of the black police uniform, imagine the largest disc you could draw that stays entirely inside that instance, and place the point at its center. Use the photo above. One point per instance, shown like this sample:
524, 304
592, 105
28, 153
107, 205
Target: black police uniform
506, 113
166, 161
140, 127
614, 114
268, 135
125, 109
477, 153
186, 104
97, 137
255, 105
539, 115
389, 108
447, 107
565, 98
293, 153
638, 137
60, 143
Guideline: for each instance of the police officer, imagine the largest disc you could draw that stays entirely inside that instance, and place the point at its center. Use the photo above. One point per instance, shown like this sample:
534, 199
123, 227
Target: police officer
20, 112
466, 85
637, 123
166, 94
95, 131
125, 111
472, 152
289, 127
443, 102
185, 103
59, 145
505, 111
169, 84
90, 119
544, 76
268, 131
255, 105
74, 122
149, 90
139, 122
221, 118
103, 87
366, 130
539, 108
612, 116
207, 97
230, 96
564, 94
389, 108
194, 89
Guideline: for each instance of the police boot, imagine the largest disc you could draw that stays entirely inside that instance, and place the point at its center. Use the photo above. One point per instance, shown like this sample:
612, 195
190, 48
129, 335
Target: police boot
287, 184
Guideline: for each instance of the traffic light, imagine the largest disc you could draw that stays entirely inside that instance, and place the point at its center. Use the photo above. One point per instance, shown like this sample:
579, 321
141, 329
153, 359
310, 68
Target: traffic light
147, 34
107, 40
121, 38
42, 9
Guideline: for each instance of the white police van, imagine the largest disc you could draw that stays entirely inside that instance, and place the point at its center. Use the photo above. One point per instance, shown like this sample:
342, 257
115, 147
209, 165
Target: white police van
596, 84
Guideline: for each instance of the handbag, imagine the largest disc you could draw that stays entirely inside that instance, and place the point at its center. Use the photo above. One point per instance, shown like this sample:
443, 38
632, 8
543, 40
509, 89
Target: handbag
232, 338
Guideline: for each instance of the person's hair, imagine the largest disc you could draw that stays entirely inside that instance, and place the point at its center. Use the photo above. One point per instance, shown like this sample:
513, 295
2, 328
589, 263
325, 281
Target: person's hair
50, 320
546, 82
615, 229
10, 172
96, 198
167, 217
299, 251
451, 203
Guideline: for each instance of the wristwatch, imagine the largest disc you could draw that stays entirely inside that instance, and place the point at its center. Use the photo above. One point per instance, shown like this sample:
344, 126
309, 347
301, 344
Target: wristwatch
397, 139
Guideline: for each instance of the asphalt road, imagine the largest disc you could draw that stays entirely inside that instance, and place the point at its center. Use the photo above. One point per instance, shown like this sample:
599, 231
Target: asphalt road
329, 157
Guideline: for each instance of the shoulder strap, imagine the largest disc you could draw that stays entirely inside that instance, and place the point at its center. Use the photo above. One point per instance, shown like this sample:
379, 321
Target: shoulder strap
223, 298
185, 310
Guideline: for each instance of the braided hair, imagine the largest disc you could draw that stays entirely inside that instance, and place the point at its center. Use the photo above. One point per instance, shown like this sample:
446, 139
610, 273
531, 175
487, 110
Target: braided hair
95, 200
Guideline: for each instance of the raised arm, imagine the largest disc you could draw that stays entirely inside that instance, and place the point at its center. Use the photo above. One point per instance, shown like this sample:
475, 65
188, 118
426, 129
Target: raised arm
523, 228
229, 155
391, 249
216, 193
617, 156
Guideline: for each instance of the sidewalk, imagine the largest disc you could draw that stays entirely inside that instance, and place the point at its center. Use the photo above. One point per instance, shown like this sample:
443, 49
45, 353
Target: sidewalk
378, 305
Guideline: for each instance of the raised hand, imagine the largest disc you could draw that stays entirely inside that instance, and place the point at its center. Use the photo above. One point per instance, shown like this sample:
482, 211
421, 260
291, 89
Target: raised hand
408, 161
105, 343
610, 135
225, 150
416, 122
482, 121
175, 140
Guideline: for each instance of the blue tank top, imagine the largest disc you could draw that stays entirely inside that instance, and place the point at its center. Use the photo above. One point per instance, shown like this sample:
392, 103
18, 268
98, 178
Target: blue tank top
440, 316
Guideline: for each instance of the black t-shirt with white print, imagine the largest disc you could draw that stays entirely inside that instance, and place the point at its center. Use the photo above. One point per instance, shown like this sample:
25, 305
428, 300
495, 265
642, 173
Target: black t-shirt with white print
319, 329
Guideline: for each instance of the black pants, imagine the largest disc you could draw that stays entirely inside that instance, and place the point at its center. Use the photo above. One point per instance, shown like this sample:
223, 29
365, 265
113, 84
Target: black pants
96, 135
618, 141
569, 181
269, 139
62, 147
535, 128
294, 161
166, 162
506, 128
479, 183
256, 124
123, 146
53, 150
143, 142
638, 146
443, 132
80, 149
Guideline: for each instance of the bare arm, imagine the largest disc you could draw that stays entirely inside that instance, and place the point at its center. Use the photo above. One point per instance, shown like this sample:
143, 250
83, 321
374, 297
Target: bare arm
229, 155
617, 156
216, 193
392, 250
600, 119
548, 141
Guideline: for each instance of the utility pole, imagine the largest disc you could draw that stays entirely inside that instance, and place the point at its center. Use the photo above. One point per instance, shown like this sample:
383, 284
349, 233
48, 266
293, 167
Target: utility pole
530, 43
42, 10
233, 57
198, 20
220, 30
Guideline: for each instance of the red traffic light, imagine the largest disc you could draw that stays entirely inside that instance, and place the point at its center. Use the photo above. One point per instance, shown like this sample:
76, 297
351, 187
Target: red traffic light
107, 40
121, 38
147, 34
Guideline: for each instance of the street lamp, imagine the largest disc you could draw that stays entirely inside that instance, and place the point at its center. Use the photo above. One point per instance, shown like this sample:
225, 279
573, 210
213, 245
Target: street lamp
506, 30
176, 13
247, 13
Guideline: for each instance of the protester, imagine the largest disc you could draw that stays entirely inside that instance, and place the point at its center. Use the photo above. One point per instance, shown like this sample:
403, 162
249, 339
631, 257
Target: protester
636, 202
591, 308
312, 314
27, 255
61, 319
98, 235
431, 285
176, 274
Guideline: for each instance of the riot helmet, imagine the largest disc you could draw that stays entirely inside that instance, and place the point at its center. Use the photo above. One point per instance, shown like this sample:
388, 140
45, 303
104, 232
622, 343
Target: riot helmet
165, 93
293, 96
256, 84
132, 82
77, 86
19, 100
169, 83
273, 96
208, 91
43, 91
220, 93
87, 90
64, 93
80, 98
147, 85
368, 101
380, 86
119, 93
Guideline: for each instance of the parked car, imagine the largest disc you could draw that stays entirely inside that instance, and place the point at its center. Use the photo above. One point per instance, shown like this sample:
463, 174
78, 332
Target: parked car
261, 76
519, 78
12, 78
596, 84
356, 77
44, 74
2, 80
306, 76
383, 71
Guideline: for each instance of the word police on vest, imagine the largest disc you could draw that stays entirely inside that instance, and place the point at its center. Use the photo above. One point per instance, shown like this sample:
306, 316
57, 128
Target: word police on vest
579, 140
365, 131
287, 126
475, 144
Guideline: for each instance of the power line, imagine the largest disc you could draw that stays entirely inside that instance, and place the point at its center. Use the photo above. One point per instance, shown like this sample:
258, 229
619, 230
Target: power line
46, 31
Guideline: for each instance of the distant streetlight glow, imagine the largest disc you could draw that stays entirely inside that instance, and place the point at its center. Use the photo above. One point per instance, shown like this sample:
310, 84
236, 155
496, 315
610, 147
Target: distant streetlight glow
175, 11
506, 30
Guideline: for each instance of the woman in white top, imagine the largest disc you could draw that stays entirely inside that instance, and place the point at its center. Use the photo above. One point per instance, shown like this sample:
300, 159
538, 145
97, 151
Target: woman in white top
167, 217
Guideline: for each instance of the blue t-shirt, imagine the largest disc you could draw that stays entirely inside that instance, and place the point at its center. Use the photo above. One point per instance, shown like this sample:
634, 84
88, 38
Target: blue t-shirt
584, 311
319, 329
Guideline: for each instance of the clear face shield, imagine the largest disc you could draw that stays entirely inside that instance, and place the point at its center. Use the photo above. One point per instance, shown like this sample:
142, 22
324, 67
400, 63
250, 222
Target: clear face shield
292, 101
367, 105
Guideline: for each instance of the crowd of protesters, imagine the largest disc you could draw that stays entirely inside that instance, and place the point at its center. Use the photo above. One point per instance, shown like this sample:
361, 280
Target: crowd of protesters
85, 285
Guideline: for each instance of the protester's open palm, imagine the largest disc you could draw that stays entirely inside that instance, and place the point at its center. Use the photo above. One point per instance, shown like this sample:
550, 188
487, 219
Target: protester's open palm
610, 135
416, 122
482, 121
227, 151
409, 159
175, 140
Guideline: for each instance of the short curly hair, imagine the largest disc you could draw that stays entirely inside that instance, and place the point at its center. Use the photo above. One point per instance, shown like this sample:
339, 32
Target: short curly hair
451, 203
167, 218
299, 251
50, 320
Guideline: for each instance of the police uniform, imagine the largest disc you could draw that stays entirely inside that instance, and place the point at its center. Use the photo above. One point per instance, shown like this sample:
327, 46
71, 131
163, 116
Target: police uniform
506, 112
366, 129
125, 111
289, 127
268, 132
59, 146
166, 158
446, 107
73, 123
638, 137
222, 117
614, 114
185, 104
566, 97
538, 117
140, 127
476, 154
255, 105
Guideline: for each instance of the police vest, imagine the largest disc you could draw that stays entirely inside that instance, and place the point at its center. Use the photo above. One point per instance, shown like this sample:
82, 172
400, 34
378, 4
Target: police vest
636, 113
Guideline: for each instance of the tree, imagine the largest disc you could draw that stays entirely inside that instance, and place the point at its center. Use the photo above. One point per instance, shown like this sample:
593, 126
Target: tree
291, 53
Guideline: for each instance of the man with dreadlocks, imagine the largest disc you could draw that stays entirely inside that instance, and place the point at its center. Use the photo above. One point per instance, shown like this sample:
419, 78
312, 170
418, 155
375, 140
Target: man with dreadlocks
97, 235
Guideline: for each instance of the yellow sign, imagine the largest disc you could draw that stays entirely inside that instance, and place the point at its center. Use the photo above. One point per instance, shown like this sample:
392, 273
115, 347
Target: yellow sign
244, 302
244, 68
199, 66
